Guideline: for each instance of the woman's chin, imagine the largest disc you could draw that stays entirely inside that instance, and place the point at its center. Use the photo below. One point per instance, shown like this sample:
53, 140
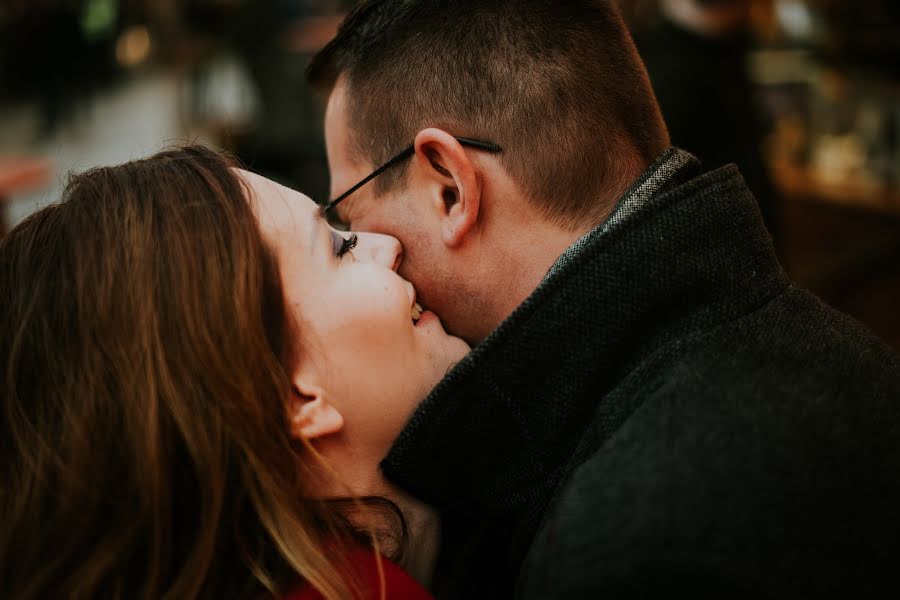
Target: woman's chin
452, 347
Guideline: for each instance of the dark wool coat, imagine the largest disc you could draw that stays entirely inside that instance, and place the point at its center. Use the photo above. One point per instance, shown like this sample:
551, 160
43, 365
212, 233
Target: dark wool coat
666, 415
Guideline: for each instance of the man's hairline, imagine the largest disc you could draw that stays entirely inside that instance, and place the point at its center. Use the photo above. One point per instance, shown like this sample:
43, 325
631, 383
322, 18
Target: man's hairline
357, 154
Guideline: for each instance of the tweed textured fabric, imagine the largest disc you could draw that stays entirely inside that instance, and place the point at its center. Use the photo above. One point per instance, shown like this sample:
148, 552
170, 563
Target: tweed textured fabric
661, 173
665, 412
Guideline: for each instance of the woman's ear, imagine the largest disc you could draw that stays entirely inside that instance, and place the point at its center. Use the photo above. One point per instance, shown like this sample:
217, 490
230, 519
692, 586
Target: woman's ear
456, 189
310, 414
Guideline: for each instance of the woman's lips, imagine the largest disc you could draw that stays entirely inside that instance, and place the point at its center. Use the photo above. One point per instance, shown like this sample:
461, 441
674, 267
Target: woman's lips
426, 317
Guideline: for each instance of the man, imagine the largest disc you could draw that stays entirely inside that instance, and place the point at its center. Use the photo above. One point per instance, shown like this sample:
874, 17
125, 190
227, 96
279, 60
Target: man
650, 407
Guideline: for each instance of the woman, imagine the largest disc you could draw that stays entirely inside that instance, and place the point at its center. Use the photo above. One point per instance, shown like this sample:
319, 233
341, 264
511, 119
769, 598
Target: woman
195, 369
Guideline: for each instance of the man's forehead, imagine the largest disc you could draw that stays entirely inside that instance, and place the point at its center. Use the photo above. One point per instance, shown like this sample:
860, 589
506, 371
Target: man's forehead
337, 127
345, 165
342, 160
337, 98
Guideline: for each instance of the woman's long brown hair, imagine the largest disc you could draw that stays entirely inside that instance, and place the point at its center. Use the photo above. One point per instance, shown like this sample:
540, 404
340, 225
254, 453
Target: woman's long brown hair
145, 452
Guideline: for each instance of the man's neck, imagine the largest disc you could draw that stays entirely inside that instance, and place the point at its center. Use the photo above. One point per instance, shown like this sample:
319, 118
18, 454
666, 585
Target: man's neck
522, 262
517, 247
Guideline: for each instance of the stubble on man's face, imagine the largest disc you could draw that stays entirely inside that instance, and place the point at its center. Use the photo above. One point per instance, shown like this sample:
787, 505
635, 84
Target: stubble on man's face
443, 283
441, 280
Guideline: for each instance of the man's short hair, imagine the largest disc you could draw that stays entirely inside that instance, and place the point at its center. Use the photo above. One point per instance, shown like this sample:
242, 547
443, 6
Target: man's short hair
558, 84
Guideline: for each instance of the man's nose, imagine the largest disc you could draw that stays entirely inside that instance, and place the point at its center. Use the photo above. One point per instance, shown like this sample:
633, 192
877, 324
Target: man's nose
382, 249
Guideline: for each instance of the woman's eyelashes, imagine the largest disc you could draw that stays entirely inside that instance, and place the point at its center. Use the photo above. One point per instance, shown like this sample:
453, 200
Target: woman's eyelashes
344, 245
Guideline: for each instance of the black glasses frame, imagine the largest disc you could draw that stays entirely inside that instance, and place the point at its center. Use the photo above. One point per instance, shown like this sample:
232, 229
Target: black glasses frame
479, 144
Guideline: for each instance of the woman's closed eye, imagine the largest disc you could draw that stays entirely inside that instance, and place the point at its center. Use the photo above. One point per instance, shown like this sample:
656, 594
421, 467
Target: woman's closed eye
343, 245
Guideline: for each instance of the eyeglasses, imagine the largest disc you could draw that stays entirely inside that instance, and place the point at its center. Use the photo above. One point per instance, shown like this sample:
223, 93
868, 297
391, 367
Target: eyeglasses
480, 145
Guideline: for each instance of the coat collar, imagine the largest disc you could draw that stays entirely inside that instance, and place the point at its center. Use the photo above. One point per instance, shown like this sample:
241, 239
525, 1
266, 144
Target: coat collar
500, 429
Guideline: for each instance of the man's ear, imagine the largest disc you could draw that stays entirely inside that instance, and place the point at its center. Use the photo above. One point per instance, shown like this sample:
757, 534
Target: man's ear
310, 414
457, 186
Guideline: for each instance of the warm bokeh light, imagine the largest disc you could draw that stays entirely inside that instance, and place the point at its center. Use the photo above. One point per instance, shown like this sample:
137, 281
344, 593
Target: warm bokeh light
811, 95
133, 46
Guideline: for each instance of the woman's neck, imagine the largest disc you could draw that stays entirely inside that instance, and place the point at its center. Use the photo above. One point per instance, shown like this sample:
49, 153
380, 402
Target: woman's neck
424, 527
422, 522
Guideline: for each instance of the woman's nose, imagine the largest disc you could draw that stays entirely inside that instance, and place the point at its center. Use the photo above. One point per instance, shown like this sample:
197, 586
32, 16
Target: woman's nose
382, 249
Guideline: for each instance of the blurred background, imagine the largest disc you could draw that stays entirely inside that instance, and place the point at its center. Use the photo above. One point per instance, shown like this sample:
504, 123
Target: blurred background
803, 94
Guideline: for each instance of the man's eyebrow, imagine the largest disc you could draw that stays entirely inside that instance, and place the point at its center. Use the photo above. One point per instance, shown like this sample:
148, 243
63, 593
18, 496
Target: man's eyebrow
331, 217
315, 228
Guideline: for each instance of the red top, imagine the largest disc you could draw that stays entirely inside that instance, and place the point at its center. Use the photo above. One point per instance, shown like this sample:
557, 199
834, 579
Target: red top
398, 584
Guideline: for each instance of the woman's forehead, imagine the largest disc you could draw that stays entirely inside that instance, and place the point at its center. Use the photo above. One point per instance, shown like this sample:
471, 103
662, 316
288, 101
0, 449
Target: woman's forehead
275, 204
